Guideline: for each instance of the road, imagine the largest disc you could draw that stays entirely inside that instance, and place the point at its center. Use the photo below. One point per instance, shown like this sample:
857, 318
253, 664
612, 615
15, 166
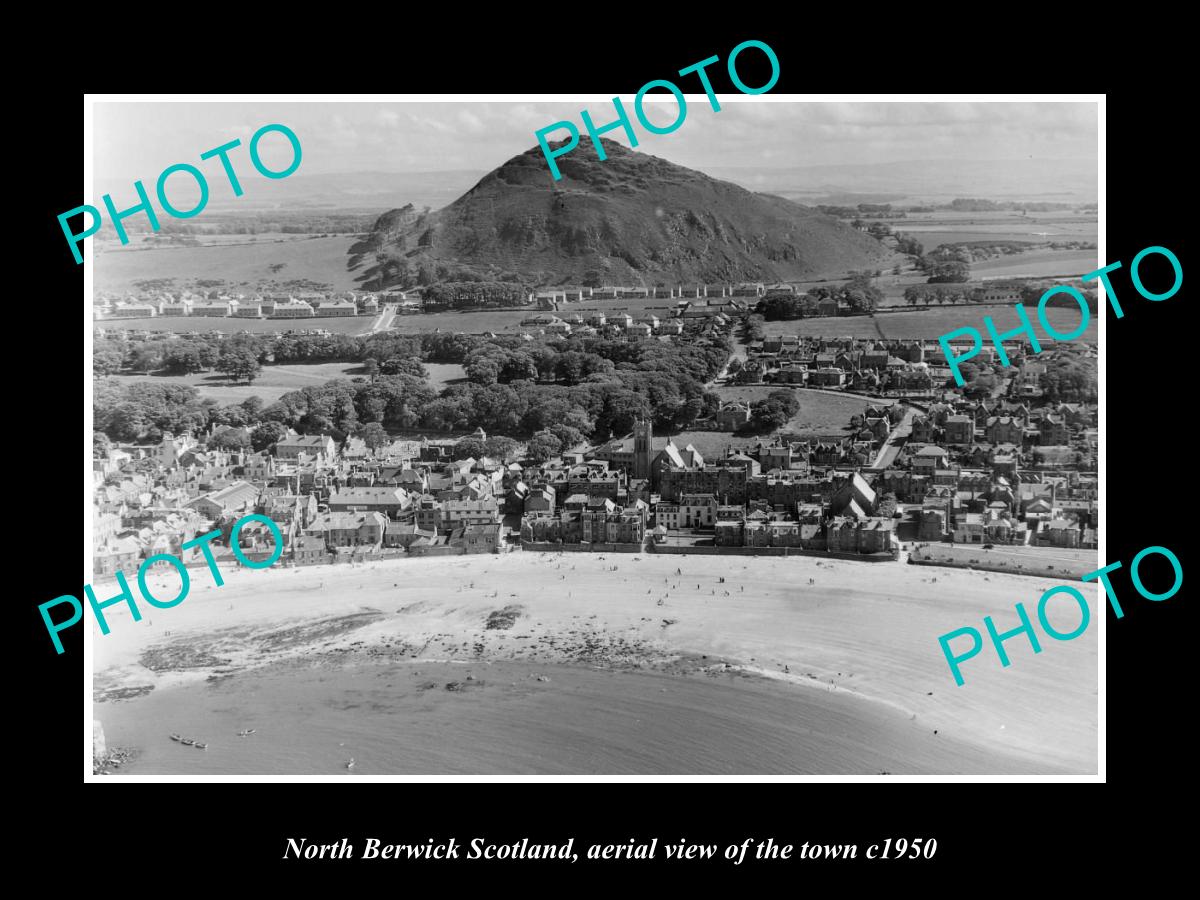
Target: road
384, 322
739, 352
891, 447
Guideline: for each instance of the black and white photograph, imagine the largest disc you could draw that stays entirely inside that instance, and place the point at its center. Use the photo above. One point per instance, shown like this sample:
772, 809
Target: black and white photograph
436, 437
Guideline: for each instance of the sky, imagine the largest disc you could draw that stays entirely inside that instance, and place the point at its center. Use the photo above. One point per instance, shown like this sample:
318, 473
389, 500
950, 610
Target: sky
135, 140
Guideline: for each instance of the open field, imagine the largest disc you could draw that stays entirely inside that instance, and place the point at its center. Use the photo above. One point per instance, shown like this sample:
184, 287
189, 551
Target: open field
821, 412
947, 227
1039, 264
475, 321
807, 666
230, 325
934, 322
441, 374
931, 323
321, 261
274, 382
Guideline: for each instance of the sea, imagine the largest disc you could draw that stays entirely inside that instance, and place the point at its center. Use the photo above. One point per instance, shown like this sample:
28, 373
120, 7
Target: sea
517, 718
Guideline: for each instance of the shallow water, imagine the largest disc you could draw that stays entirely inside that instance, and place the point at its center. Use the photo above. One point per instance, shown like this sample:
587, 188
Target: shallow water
400, 719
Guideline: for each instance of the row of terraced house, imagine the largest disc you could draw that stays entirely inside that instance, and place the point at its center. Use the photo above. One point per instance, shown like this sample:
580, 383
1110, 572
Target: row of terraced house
260, 306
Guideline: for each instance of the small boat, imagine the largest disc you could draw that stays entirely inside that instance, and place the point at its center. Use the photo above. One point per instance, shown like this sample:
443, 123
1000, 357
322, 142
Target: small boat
188, 741
200, 746
176, 737
247, 731
350, 765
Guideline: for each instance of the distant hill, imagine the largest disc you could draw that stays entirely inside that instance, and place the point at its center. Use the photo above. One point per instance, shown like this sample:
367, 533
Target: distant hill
937, 180
371, 191
630, 219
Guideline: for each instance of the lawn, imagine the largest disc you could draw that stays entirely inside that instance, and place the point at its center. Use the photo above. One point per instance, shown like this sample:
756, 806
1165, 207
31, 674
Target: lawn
821, 414
712, 444
476, 321
442, 374
347, 325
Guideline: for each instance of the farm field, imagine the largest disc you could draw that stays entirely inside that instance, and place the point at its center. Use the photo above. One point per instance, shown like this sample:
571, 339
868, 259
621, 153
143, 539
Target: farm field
318, 261
928, 324
136, 244
945, 227
932, 323
1038, 263
274, 382
230, 325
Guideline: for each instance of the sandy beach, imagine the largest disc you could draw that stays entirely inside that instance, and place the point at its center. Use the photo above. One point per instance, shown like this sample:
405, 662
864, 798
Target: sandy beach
584, 671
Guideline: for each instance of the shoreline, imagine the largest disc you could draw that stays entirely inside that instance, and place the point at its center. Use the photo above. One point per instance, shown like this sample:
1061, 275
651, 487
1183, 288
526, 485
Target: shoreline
857, 634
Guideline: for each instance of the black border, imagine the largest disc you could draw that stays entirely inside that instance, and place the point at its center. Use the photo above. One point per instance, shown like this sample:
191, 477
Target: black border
981, 829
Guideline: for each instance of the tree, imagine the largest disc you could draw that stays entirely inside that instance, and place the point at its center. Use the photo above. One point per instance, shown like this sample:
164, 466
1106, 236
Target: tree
146, 357
483, 370
952, 271
100, 444
371, 367
253, 405
229, 439
569, 437
127, 421
402, 365
500, 447
374, 436
184, 358
267, 435
107, 361
239, 362
233, 415
518, 367
469, 448
774, 412
543, 446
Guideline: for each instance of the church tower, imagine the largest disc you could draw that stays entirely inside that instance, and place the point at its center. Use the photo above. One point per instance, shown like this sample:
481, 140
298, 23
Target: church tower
643, 448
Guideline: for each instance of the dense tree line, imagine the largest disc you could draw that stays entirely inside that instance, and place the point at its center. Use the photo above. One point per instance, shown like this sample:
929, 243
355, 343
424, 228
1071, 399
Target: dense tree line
1070, 378
859, 293
564, 389
909, 245
938, 293
776, 307
862, 209
475, 293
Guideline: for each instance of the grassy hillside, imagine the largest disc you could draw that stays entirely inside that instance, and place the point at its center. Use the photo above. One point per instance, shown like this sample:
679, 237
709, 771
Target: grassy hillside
629, 219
